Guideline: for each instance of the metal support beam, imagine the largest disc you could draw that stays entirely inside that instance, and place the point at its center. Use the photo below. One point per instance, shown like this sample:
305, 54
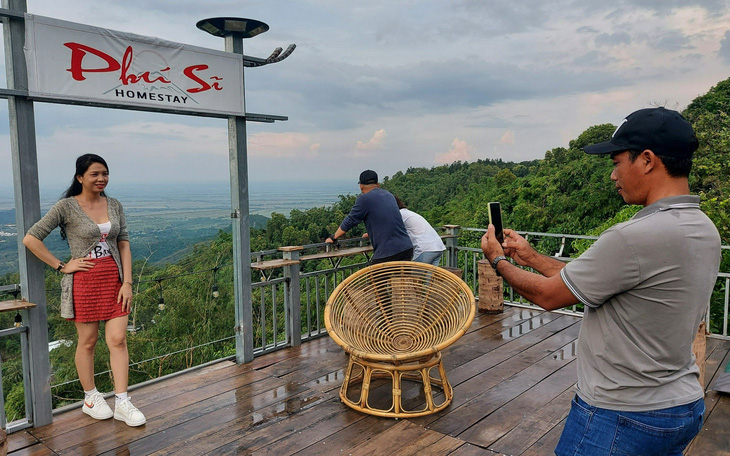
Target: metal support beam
238, 154
28, 211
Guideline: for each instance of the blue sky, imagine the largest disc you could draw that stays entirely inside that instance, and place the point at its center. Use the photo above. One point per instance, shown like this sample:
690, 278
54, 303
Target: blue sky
392, 84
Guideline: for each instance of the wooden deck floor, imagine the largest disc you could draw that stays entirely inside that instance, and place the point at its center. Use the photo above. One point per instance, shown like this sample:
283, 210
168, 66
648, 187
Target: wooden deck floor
513, 377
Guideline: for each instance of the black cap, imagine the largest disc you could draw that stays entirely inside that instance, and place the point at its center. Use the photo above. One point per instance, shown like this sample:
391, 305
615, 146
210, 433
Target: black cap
368, 177
663, 131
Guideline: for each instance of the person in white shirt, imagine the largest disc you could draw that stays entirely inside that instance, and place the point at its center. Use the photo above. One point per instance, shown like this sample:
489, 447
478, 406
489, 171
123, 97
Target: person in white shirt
427, 244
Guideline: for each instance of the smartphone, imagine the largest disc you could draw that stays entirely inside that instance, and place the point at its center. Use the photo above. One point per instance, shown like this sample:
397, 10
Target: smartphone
495, 218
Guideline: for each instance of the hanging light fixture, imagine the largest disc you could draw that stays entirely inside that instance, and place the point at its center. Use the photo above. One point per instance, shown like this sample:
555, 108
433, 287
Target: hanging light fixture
215, 284
161, 300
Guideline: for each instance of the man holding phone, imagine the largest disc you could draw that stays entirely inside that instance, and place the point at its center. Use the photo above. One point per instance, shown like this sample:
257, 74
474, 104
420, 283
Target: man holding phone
645, 285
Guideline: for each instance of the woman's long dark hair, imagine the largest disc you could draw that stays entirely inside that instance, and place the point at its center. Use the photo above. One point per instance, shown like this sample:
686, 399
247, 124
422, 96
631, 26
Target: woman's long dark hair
82, 165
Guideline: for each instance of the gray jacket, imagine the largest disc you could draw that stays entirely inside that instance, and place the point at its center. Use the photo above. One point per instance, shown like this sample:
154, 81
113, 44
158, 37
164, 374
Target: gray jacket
83, 235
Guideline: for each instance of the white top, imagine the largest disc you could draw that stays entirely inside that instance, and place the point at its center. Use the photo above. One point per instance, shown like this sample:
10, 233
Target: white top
101, 249
423, 237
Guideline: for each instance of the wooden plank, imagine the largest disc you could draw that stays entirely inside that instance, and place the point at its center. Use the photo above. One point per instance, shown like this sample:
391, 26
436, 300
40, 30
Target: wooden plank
350, 437
239, 436
303, 364
468, 449
74, 419
19, 440
499, 386
315, 432
717, 359
206, 431
507, 350
311, 347
39, 449
716, 362
475, 344
494, 426
546, 445
271, 264
169, 412
497, 373
534, 426
337, 253
15, 304
714, 437
328, 382
406, 438
184, 389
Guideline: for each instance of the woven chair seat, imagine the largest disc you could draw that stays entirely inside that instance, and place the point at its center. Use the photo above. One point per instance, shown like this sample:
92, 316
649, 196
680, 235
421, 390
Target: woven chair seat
395, 318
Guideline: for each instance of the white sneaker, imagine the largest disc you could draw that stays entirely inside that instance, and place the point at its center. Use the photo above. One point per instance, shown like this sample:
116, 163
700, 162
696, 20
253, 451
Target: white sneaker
96, 407
125, 411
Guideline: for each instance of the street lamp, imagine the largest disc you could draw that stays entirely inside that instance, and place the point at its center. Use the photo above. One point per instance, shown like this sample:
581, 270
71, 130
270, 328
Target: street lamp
242, 27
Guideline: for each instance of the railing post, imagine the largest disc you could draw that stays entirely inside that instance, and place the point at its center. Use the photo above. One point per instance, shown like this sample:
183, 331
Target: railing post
291, 273
451, 240
27, 212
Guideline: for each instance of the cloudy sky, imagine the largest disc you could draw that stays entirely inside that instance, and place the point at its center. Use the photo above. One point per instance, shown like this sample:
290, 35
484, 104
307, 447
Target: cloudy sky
390, 84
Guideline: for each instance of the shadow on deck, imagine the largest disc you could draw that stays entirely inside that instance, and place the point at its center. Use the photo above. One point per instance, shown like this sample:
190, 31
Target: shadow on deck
513, 376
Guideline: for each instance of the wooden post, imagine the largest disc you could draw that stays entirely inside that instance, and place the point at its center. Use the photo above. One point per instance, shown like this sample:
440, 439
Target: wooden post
491, 297
458, 272
699, 347
451, 241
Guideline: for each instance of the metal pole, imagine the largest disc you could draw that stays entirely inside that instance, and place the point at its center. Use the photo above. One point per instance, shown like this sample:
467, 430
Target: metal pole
241, 235
27, 212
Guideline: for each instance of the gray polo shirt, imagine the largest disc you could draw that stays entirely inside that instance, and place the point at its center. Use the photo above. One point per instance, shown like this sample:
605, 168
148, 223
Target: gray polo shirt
646, 284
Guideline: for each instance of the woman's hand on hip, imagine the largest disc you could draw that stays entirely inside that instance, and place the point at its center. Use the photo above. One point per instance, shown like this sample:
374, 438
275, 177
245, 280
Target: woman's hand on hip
77, 264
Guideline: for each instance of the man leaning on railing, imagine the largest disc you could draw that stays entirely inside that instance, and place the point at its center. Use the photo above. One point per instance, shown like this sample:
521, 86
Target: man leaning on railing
645, 284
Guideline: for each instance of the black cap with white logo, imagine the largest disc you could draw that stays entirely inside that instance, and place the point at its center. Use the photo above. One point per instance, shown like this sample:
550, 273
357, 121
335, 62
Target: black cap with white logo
663, 131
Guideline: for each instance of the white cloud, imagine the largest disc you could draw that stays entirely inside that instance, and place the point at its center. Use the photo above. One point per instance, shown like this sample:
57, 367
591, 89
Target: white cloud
282, 145
507, 138
460, 151
374, 142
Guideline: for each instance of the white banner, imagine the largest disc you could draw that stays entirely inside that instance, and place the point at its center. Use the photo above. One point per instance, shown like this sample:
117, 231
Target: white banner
78, 62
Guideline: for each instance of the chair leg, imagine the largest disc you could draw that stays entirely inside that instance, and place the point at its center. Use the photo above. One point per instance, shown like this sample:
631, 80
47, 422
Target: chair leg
397, 392
427, 391
365, 386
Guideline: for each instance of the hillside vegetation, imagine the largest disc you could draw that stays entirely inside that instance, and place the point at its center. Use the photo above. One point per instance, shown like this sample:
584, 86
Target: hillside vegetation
567, 191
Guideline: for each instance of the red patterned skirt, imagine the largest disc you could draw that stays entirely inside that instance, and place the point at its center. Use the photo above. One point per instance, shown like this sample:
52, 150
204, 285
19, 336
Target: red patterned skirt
96, 291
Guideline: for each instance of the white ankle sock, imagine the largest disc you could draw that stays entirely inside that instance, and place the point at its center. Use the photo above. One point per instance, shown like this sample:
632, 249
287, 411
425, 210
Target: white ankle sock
88, 394
119, 397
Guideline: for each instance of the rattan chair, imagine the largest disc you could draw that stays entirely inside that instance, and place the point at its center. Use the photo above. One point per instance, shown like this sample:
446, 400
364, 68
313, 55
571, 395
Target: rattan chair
394, 319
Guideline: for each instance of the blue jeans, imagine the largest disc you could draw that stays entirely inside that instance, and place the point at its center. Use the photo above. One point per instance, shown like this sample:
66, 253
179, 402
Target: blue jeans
595, 431
433, 258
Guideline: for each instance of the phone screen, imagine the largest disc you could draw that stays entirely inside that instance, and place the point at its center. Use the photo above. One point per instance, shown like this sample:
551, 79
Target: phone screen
495, 218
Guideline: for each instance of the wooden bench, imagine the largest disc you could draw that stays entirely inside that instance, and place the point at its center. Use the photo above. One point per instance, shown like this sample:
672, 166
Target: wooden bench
263, 266
15, 304
336, 256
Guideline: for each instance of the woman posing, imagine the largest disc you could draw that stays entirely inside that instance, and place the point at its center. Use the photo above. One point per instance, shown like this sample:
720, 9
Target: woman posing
97, 281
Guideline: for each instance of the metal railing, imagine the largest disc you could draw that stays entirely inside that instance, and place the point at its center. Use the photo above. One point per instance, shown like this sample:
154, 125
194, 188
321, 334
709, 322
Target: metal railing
559, 245
22, 332
288, 301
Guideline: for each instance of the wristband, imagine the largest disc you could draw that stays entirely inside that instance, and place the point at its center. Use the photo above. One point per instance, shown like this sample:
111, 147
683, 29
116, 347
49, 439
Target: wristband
61, 264
334, 239
497, 260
